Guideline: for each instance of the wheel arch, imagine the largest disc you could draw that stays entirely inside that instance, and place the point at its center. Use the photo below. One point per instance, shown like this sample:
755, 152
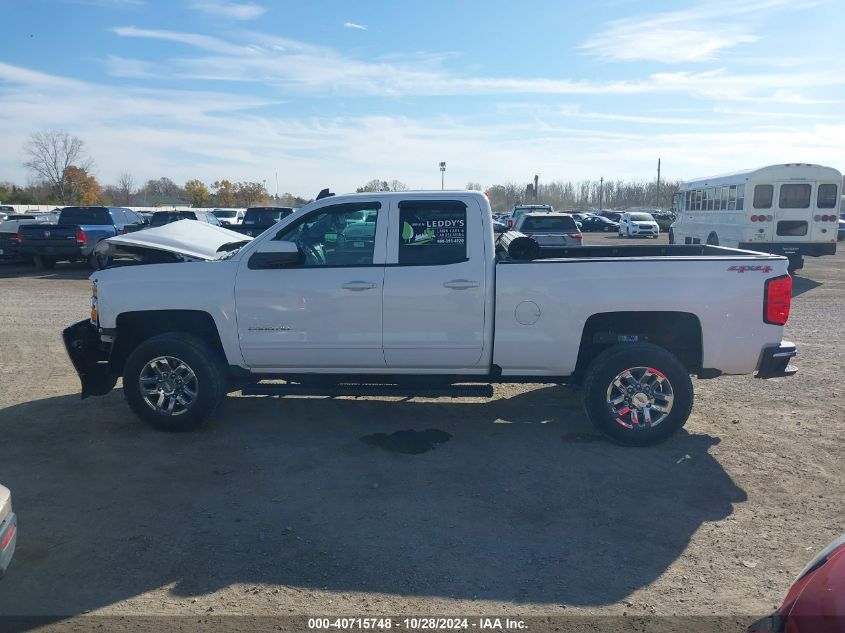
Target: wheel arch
677, 332
133, 328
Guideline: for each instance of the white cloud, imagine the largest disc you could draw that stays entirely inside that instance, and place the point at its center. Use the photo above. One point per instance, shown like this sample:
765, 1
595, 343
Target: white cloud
695, 34
352, 25
231, 10
312, 69
210, 135
117, 66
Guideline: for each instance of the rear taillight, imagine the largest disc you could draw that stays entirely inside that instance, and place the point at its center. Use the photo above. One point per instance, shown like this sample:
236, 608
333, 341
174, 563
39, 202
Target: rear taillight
81, 238
17, 237
777, 297
510, 224
577, 236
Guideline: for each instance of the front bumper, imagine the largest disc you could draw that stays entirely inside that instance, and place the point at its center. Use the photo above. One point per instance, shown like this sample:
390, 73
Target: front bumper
90, 358
9, 536
774, 361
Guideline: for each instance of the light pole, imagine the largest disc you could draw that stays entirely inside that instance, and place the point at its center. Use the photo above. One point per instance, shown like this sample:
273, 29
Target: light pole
442, 175
601, 193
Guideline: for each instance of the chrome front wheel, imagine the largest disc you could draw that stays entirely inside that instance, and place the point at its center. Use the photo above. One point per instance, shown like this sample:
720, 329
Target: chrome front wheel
168, 385
640, 397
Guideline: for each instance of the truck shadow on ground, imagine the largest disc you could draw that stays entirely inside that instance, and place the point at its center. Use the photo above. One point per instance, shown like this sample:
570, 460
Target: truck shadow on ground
520, 505
801, 284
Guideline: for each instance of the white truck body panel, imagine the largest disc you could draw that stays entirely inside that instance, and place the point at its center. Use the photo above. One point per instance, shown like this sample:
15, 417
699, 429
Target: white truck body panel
458, 319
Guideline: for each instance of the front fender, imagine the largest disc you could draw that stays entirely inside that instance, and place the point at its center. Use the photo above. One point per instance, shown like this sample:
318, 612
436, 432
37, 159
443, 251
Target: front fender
90, 358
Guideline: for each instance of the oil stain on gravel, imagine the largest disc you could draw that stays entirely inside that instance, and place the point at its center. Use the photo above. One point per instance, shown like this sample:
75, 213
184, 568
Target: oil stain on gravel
410, 441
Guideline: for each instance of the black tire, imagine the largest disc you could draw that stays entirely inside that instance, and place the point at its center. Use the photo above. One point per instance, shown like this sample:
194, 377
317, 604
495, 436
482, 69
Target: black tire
795, 264
613, 362
43, 262
712, 240
98, 262
208, 368
671, 236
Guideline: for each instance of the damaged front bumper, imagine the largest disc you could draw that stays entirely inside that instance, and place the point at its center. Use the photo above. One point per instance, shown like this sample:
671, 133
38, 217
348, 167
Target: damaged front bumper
90, 358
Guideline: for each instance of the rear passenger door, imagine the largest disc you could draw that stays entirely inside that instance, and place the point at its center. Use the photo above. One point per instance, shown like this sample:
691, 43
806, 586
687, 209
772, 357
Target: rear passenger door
434, 285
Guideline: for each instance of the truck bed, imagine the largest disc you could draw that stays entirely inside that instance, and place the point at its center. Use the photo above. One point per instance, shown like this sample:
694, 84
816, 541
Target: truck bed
685, 251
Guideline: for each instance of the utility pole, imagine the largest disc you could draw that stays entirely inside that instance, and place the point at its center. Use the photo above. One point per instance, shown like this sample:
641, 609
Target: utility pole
601, 193
442, 175
658, 184
277, 185
536, 187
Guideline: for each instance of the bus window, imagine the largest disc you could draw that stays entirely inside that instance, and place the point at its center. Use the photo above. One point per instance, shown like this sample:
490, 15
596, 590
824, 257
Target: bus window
794, 196
763, 195
724, 198
731, 197
711, 198
826, 197
698, 200
740, 197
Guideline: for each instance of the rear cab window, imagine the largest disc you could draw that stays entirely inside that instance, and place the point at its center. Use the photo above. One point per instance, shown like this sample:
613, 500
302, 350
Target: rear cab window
93, 216
561, 224
432, 232
266, 215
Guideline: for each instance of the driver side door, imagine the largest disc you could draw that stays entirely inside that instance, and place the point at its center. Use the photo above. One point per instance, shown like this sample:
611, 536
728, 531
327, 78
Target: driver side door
324, 313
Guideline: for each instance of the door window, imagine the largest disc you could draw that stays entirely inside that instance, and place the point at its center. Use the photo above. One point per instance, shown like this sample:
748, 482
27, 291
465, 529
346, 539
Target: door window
339, 235
432, 232
795, 196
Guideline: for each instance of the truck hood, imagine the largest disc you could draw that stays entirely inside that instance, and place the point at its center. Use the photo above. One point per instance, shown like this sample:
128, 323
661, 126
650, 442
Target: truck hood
186, 238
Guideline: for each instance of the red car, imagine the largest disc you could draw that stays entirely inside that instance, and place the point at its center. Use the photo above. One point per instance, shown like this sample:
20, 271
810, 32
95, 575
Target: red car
816, 601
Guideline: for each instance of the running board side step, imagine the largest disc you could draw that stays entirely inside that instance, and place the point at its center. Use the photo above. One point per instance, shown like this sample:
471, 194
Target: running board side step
354, 389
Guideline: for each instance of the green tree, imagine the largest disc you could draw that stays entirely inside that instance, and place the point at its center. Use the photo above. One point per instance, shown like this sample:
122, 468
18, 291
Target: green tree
197, 193
224, 193
249, 193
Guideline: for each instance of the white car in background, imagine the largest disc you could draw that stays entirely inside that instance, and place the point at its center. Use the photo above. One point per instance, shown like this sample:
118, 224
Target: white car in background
8, 529
638, 225
229, 216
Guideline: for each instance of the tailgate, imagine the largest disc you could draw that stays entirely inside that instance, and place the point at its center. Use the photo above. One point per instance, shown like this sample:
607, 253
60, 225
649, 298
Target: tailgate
47, 233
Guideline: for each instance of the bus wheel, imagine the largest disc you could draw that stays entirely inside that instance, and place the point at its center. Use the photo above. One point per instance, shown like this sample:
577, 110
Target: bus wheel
671, 236
712, 240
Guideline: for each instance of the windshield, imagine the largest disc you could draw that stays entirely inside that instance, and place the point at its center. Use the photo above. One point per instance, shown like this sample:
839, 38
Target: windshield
220, 213
642, 217
85, 215
266, 215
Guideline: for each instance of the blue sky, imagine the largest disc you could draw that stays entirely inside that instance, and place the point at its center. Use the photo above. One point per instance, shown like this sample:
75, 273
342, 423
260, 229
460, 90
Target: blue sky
335, 93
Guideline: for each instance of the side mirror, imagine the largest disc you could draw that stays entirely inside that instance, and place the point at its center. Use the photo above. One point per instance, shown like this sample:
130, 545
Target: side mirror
273, 254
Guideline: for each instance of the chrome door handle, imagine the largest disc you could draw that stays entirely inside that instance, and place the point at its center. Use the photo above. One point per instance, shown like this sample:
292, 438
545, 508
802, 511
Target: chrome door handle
359, 285
460, 284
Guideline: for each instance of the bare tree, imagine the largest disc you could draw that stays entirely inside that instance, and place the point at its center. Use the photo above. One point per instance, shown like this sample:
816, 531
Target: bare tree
50, 153
126, 187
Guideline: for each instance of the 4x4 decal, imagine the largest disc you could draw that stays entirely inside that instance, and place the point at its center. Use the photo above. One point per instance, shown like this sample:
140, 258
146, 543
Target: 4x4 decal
751, 269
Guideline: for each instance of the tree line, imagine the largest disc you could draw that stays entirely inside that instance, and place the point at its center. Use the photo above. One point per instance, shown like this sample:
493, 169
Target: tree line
61, 174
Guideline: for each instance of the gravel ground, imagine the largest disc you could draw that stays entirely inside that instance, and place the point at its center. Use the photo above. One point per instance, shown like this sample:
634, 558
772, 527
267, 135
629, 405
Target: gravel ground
278, 507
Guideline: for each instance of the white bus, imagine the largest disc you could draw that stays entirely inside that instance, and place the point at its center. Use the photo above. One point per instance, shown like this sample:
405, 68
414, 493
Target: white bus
791, 210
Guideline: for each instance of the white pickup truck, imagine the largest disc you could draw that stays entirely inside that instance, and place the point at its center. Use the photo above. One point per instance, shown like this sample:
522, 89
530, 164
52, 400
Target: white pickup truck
408, 294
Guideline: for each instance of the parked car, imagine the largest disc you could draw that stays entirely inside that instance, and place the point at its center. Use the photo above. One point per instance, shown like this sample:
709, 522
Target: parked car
614, 216
431, 303
5, 211
259, 219
522, 209
8, 529
9, 238
664, 219
638, 225
160, 218
77, 233
599, 223
229, 216
550, 230
815, 603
